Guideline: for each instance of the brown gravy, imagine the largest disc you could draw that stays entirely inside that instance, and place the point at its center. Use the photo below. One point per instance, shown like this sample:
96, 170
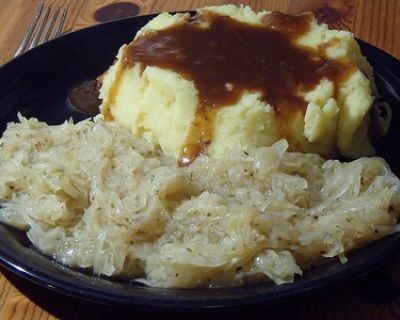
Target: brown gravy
84, 98
230, 57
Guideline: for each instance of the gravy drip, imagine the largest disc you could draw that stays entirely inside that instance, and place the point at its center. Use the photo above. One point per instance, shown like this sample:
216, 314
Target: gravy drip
84, 98
228, 57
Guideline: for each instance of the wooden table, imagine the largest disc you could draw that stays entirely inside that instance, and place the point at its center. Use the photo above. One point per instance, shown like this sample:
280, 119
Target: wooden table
373, 297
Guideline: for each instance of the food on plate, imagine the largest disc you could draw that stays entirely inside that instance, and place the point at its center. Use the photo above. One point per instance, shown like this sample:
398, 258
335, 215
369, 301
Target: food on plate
229, 76
92, 195
249, 103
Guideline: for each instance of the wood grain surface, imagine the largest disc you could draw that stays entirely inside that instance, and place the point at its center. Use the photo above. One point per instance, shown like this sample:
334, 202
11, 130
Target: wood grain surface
376, 296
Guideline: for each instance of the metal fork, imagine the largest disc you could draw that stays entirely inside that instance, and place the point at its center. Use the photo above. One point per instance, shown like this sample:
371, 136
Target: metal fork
42, 25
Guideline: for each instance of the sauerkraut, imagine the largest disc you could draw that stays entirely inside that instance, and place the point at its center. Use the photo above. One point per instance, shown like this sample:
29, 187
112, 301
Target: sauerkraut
91, 195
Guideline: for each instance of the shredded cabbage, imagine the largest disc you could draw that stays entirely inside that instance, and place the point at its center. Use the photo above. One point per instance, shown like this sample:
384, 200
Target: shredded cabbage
92, 195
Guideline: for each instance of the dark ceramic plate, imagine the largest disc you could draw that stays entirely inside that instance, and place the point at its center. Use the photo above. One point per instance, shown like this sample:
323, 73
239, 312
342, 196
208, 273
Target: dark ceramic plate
37, 83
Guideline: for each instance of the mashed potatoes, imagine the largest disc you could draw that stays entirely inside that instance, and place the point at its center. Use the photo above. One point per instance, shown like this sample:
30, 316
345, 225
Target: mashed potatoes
92, 195
162, 105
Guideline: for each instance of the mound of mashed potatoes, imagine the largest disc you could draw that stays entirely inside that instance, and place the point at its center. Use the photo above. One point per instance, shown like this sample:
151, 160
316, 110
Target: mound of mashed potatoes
92, 195
317, 91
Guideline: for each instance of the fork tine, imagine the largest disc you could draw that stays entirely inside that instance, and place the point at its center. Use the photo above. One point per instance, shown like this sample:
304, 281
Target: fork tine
61, 23
28, 34
39, 31
51, 25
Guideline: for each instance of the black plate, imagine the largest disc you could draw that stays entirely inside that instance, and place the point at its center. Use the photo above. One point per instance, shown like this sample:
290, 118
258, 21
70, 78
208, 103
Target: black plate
37, 83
